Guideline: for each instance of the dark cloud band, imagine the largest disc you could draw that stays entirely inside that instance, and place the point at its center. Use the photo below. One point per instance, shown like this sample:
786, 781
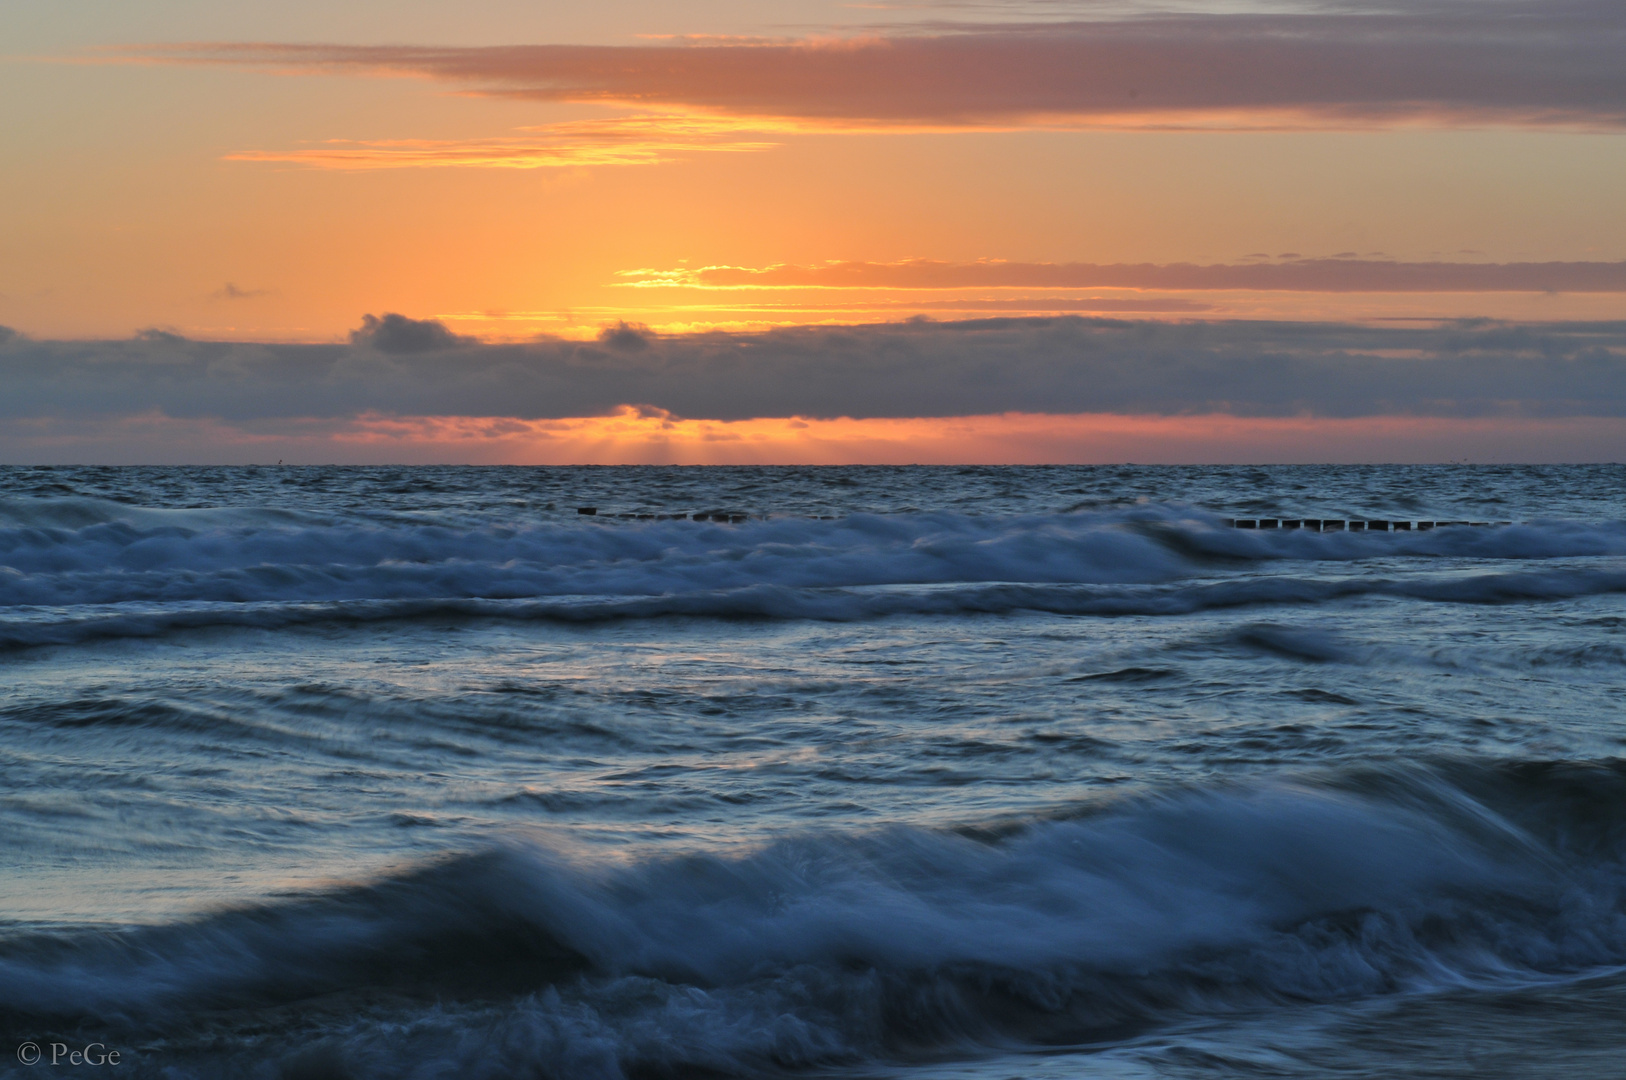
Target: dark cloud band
400, 366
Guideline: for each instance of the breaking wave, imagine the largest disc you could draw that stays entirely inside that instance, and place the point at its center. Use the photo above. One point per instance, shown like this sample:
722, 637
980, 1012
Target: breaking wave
1085, 926
73, 569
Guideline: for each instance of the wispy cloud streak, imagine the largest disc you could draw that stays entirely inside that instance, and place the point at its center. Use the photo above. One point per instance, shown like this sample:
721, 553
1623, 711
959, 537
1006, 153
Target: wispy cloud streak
1294, 275
626, 140
1556, 62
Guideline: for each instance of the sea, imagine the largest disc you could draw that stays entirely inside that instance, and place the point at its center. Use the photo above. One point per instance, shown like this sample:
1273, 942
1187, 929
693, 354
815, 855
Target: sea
919, 773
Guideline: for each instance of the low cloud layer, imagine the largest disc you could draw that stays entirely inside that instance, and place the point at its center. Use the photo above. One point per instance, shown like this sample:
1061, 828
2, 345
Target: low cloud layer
1062, 365
1342, 274
1448, 61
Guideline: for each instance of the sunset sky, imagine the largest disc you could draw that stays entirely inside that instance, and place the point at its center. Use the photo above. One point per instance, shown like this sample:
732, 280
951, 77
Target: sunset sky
812, 231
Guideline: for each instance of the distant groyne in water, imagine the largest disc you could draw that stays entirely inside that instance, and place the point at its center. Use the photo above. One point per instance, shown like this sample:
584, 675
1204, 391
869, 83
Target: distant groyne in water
1354, 525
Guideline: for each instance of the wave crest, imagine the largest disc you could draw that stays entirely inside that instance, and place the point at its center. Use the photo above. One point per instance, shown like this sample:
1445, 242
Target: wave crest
834, 947
74, 572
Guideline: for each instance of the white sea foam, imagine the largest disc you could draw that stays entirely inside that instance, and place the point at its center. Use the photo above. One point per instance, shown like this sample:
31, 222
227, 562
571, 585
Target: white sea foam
78, 552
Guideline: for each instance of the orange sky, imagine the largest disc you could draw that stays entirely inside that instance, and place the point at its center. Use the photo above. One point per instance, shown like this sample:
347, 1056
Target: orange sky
514, 171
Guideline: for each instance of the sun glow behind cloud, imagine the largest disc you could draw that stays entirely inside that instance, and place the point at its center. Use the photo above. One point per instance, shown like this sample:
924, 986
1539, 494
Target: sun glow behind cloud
643, 435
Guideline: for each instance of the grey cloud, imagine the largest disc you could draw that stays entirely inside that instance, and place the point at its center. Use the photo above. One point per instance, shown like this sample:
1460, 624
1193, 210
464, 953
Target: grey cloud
1061, 364
231, 292
1558, 61
626, 337
399, 335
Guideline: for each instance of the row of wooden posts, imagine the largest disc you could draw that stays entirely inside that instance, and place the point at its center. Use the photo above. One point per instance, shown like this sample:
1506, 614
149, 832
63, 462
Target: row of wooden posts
1345, 525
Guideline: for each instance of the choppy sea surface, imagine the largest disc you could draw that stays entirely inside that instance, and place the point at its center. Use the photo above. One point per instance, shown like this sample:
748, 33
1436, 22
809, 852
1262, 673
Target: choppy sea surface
914, 773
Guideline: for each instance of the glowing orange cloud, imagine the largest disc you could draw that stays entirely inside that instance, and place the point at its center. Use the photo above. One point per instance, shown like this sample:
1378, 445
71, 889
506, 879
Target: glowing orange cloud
634, 435
625, 140
747, 317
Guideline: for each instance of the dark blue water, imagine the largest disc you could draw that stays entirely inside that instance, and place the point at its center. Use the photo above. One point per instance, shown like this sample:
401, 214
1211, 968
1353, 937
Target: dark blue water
917, 772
